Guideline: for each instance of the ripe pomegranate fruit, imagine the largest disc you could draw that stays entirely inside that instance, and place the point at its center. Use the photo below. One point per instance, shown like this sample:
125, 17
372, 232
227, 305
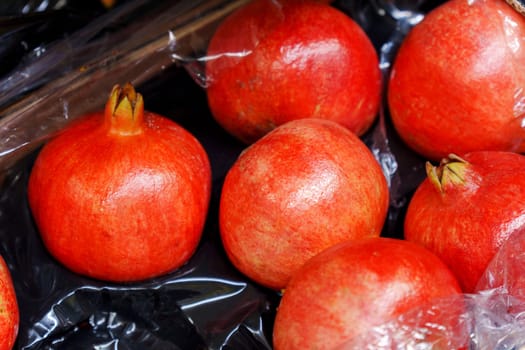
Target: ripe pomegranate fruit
466, 208
344, 291
275, 61
306, 185
122, 194
9, 313
457, 83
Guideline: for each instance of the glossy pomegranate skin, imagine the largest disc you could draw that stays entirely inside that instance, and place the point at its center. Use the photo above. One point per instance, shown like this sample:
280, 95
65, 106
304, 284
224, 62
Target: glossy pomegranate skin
272, 62
457, 84
340, 294
305, 186
121, 207
466, 223
9, 312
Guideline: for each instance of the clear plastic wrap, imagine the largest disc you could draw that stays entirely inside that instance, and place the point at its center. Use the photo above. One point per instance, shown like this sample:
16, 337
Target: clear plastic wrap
492, 318
65, 80
206, 304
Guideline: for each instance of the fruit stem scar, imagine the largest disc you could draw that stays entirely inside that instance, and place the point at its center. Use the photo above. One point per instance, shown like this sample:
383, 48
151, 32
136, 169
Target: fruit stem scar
124, 112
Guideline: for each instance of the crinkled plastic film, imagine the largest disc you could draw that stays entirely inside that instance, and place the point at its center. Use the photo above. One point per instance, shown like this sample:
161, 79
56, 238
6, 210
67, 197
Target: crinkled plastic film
492, 318
66, 80
206, 304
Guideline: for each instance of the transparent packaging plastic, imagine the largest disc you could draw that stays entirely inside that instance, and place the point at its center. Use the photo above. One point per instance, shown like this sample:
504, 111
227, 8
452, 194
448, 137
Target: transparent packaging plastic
206, 304
491, 318
65, 80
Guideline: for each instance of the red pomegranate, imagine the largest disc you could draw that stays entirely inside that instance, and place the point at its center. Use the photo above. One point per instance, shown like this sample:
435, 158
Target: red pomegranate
457, 83
9, 313
339, 295
466, 208
121, 195
275, 61
306, 185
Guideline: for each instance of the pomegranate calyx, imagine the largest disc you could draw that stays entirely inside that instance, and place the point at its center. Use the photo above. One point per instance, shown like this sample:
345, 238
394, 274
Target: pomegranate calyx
124, 111
450, 171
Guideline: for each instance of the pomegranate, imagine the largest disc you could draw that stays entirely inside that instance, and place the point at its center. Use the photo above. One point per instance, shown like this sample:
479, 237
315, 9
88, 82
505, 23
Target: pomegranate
122, 194
275, 61
466, 208
306, 185
9, 313
457, 84
340, 294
